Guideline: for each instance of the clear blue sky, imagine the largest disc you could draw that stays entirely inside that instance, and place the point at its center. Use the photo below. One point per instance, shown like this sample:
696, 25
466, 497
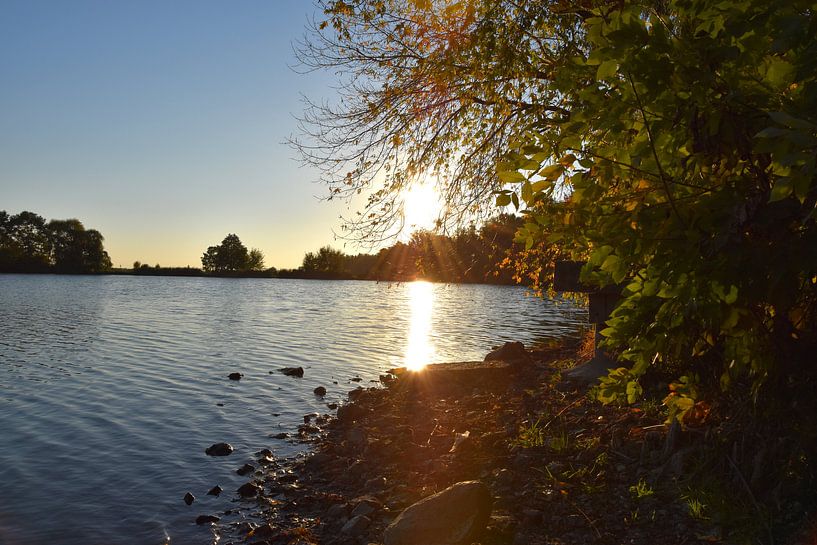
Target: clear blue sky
161, 124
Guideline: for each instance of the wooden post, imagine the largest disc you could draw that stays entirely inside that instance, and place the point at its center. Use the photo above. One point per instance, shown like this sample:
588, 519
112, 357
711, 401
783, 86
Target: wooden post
601, 301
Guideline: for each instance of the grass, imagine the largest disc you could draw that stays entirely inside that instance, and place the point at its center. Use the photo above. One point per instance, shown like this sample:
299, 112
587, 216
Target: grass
641, 489
531, 435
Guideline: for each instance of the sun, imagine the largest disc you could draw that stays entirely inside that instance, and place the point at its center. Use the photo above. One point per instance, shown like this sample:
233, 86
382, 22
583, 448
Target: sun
421, 207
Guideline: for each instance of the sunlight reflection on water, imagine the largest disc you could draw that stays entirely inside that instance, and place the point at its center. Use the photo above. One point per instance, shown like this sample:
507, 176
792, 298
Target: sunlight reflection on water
419, 347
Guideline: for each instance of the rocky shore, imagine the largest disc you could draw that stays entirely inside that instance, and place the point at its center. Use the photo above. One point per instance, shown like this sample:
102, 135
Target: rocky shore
478, 452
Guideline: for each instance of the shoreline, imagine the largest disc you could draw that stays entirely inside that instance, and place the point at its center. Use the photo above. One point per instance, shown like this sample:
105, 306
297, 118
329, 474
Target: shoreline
559, 468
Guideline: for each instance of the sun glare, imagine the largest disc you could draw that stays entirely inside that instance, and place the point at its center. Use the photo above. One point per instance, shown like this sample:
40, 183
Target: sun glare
420, 349
421, 207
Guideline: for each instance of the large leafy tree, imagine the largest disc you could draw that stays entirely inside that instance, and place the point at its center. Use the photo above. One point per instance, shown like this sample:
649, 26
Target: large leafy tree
75, 249
428, 88
229, 256
25, 242
671, 144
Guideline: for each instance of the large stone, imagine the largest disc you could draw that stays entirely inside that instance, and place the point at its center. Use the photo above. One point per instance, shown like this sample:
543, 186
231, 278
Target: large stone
509, 352
446, 518
355, 526
219, 449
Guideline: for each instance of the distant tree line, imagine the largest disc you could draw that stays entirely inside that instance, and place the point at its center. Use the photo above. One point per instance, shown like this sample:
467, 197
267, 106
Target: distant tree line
471, 255
29, 243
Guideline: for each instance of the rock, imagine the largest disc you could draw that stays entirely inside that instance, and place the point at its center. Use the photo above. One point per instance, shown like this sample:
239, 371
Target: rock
356, 379
355, 526
461, 442
332, 406
293, 371
189, 498
356, 393
307, 429
219, 449
245, 469
457, 513
514, 351
357, 437
366, 506
349, 413
282, 435
264, 531
319, 391
248, 490
504, 479
337, 511
215, 491
266, 458
586, 373
235, 376
206, 519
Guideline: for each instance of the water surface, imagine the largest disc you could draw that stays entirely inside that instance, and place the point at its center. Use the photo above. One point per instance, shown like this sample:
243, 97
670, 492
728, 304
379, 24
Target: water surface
111, 387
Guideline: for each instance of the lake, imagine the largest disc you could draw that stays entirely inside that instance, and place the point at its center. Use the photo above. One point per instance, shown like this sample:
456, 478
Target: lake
111, 387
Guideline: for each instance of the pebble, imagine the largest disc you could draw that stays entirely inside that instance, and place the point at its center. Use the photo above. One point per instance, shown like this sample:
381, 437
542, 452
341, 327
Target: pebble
219, 449
320, 391
245, 469
206, 519
293, 371
248, 490
189, 498
215, 491
235, 376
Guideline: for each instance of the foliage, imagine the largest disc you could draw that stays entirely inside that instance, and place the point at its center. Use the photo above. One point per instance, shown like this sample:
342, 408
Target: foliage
468, 255
255, 260
619, 385
685, 170
229, 256
326, 260
29, 244
429, 89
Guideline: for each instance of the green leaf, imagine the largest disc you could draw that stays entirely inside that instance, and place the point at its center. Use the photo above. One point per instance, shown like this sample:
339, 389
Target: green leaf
503, 200
551, 172
791, 122
607, 69
511, 176
782, 189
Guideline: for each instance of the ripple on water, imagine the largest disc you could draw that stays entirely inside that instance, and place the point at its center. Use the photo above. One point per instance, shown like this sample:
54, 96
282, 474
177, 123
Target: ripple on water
110, 385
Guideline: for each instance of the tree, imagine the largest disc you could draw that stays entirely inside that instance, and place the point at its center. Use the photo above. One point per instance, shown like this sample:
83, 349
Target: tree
255, 260
430, 87
672, 145
230, 256
327, 261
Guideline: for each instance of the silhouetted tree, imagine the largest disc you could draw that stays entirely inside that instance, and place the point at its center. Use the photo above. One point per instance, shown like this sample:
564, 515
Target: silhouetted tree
255, 260
230, 256
25, 244
75, 249
327, 260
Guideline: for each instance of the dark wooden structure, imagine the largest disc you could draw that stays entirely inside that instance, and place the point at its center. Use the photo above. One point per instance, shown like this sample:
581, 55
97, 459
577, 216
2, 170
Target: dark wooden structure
601, 303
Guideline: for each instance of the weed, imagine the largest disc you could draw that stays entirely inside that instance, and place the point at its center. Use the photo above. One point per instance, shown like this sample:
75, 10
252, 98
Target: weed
559, 443
696, 508
531, 435
641, 489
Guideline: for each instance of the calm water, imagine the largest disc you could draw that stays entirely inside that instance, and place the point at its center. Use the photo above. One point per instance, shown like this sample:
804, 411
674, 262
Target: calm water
109, 386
